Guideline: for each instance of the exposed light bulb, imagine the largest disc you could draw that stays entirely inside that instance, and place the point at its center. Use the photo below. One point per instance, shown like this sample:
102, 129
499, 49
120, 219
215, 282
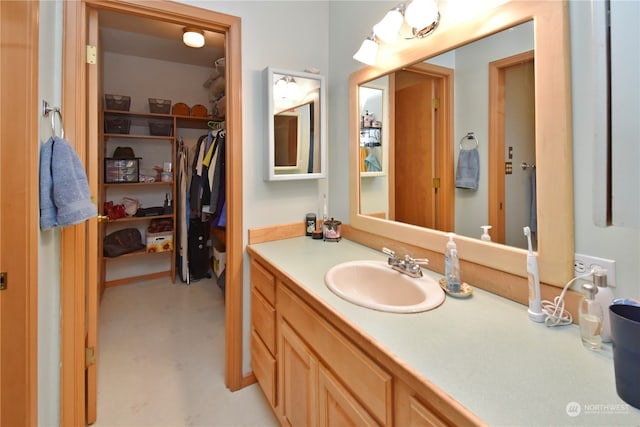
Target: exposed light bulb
421, 13
388, 28
193, 37
367, 52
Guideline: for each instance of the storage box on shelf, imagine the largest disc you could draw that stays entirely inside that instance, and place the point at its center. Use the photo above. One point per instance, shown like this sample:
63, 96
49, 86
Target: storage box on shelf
121, 170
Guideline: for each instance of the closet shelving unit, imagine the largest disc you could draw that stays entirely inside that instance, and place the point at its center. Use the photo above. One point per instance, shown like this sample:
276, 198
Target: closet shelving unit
371, 141
140, 136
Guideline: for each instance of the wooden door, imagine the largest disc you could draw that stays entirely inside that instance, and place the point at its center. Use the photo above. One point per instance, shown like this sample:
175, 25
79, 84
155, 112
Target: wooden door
415, 150
297, 379
18, 211
94, 263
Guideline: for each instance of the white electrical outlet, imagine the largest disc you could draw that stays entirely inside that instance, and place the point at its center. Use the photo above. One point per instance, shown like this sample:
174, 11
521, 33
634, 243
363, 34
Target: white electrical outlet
582, 264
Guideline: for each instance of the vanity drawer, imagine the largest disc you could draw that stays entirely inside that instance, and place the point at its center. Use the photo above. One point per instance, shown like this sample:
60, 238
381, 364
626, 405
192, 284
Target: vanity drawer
264, 367
263, 281
263, 319
368, 382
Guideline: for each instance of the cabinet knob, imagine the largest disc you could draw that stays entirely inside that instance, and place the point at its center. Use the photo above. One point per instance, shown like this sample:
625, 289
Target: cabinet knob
102, 218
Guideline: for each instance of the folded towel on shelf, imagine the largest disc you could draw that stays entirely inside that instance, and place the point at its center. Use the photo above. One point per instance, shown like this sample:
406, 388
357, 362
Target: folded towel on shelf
372, 164
65, 198
468, 169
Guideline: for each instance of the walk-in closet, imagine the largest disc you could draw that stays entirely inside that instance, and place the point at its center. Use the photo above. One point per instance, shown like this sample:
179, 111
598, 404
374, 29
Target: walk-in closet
162, 200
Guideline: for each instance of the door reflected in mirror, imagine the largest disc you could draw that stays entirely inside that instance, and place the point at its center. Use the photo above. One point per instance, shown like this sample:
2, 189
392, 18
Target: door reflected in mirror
432, 106
296, 125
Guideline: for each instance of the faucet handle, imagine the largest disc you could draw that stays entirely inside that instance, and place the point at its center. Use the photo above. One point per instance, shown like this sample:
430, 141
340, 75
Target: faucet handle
408, 258
389, 252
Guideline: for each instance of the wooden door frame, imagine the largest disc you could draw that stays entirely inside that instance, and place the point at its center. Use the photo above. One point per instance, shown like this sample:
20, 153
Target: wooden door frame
73, 253
497, 114
444, 139
19, 213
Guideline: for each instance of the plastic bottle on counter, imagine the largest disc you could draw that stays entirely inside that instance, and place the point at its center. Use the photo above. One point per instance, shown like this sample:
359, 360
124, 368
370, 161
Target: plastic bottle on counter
590, 319
604, 297
452, 265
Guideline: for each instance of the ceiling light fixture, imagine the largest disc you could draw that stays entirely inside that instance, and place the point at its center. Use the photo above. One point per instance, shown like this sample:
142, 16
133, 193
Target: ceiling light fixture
368, 51
420, 16
287, 87
193, 37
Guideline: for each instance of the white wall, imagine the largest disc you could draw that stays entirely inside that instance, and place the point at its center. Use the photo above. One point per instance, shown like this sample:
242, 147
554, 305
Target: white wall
49, 88
614, 242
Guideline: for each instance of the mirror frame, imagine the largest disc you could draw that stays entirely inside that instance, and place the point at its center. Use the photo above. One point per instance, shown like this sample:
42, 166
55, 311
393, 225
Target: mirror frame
321, 107
554, 156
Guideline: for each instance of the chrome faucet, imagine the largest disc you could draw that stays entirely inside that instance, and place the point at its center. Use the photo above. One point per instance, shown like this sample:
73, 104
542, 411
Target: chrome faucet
409, 266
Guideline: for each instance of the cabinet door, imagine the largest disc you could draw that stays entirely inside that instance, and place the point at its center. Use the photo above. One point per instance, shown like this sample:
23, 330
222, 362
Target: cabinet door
412, 410
336, 406
298, 380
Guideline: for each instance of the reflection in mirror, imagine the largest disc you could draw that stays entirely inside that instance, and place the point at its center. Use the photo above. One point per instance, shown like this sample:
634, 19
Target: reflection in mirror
428, 141
293, 133
295, 125
545, 25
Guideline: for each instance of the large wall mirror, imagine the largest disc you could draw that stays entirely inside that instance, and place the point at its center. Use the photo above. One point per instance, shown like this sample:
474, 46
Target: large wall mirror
296, 125
502, 87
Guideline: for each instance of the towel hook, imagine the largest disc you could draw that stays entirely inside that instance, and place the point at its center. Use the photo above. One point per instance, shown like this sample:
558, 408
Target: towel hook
49, 110
525, 165
469, 136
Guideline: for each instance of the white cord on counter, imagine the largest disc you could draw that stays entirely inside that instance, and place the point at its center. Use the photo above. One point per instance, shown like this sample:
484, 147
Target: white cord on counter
556, 314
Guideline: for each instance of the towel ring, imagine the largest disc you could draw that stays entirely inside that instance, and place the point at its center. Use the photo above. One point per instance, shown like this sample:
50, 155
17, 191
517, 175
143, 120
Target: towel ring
469, 136
48, 110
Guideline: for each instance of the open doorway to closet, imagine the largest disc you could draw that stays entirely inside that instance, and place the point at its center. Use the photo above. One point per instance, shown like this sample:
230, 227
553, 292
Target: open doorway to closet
83, 87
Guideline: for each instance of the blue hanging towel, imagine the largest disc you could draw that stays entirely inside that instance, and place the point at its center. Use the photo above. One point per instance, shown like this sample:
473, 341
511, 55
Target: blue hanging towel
468, 169
65, 198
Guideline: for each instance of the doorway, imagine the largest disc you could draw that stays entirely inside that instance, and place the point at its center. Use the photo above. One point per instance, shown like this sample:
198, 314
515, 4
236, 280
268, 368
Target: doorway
512, 164
79, 101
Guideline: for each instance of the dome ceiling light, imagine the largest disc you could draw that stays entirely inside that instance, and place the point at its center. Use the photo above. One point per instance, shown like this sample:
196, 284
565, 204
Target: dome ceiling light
193, 37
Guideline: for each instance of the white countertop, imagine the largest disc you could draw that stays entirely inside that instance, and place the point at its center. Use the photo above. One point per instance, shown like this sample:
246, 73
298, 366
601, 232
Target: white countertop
483, 351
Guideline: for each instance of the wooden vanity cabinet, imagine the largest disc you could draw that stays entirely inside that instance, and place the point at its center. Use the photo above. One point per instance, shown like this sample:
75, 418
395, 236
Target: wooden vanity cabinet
314, 374
263, 329
323, 378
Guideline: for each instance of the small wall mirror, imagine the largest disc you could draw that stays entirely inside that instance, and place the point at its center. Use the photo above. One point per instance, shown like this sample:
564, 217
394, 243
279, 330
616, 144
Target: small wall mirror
296, 125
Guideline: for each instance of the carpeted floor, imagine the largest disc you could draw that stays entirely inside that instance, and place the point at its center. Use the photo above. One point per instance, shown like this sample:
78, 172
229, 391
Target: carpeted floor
161, 360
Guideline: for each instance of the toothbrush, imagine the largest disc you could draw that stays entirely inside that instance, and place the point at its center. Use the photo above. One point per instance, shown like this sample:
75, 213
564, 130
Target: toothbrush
535, 305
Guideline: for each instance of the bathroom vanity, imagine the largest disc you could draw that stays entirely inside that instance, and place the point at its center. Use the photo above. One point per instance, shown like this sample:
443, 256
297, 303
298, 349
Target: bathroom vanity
321, 360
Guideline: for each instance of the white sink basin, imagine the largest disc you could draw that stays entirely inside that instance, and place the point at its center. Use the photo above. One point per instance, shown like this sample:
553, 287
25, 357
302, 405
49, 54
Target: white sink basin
374, 284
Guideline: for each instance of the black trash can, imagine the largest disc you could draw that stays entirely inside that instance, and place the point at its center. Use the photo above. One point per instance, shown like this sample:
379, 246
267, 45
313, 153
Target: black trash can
625, 337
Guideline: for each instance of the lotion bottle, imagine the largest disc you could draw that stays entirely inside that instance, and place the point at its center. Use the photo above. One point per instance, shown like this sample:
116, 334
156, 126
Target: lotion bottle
452, 265
604, 297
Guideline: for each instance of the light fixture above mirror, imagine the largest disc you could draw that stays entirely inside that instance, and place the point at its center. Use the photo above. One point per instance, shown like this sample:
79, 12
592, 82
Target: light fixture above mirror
418, 19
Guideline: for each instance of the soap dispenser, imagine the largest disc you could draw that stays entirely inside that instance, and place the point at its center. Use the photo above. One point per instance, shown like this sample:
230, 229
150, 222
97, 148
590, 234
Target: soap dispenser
452, 265
604, 296
485, 233
590, 319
